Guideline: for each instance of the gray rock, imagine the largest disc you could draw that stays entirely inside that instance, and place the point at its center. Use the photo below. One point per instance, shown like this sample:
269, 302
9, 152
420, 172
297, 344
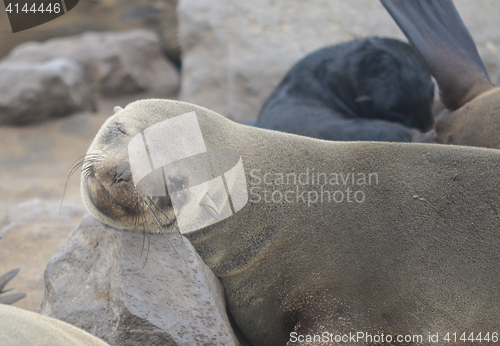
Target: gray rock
115, 63
38, 211
33, 92
236, 52
98, 281
102, 15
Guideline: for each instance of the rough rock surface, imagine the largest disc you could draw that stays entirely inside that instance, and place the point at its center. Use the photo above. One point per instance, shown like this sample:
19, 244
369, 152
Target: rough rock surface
114, 63
31, 233
35, 92
98, 281
236, 52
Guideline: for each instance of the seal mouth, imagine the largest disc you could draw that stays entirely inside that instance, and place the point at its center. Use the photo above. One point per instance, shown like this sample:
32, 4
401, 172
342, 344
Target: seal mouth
110, 189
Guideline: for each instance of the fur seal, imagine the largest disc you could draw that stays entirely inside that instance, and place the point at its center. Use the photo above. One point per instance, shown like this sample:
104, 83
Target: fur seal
415, 253
22, 327
367, 89
441, 39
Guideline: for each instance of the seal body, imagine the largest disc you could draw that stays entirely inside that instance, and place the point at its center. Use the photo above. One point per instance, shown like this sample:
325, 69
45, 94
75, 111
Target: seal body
22, 327
416, 253
367, 89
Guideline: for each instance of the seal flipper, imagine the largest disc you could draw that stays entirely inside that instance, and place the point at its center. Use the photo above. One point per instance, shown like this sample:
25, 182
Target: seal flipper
4, 279
10, 298
437, 33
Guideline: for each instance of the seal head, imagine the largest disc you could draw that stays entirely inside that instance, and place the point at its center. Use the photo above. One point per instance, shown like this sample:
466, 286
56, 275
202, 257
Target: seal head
107, 187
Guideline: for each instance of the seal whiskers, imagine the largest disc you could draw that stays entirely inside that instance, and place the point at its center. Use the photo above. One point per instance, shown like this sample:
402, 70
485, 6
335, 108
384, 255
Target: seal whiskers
73, 168
143, 231
163, 231
172, 222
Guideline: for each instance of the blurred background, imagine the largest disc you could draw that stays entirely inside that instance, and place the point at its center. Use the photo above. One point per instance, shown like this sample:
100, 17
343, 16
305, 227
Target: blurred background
59, 81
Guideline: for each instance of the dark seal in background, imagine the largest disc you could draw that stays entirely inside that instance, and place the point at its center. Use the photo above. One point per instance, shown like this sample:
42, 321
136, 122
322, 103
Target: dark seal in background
368, 89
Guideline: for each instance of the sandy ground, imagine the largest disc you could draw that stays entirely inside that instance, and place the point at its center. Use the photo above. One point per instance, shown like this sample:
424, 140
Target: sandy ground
34, 161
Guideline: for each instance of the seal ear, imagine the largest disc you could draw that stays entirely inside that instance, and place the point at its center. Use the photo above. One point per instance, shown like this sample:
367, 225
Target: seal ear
437, 33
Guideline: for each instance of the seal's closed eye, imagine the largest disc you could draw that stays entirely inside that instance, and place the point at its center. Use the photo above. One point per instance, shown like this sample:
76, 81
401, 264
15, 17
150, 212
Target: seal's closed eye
120, 128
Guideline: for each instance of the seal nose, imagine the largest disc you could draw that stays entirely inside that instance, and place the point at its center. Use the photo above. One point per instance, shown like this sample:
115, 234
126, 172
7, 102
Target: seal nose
123, 172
